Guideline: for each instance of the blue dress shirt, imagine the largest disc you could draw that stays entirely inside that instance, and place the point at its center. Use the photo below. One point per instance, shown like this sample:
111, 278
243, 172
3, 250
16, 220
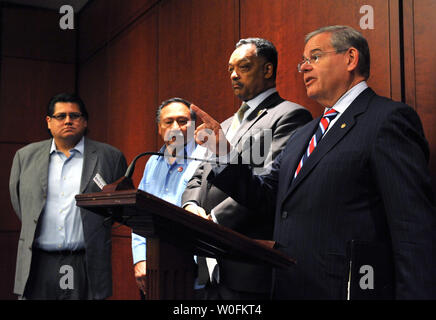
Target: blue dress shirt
60, 225
166, 181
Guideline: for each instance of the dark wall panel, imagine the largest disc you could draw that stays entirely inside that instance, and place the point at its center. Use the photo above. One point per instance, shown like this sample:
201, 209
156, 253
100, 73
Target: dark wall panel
194, 53
26, 87
101, 21
8, 218
132, 96
93, 29
122, 12
420, 68
9, 225
93, 87
35, 34
293, 19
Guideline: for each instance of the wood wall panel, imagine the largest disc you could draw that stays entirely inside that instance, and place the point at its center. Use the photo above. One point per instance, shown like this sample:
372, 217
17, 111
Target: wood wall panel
420, 68
93, 29
286, 23
26, 87
9, 225
121, 13
133, 90
35, 34
102, 20
196, 39
93, 88
8, 218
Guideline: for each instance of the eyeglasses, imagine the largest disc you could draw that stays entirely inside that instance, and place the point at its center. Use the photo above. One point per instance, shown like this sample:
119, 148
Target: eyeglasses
169, 122
314, 58
63, 116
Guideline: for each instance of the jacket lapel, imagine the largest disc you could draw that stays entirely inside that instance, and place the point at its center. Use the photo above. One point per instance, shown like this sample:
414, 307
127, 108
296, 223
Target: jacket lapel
41, 167
299, 142
89, 163
261, 110
342, 126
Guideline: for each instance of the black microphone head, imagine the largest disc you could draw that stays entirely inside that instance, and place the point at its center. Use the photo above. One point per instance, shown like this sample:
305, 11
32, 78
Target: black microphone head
131, 167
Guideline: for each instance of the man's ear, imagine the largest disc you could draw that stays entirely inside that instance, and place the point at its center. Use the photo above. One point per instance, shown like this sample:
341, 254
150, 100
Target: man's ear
48, 119
268, 70
159, 130
352, 56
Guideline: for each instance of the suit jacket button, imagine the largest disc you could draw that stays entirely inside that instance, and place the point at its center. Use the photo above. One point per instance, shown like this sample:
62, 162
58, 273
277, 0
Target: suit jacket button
284, 214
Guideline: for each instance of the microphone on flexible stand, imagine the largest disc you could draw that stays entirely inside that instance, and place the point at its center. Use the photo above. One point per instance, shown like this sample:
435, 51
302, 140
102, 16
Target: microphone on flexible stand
131, 168
126, 183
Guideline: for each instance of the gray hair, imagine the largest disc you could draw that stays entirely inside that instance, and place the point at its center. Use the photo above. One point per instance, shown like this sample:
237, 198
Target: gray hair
344, 37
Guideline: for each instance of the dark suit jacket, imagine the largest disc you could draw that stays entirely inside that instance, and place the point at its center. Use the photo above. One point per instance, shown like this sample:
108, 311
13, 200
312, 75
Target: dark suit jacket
28, 189
282, 117
366, 180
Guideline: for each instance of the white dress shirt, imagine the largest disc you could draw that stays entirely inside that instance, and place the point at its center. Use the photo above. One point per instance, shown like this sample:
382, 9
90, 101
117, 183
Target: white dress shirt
344, 102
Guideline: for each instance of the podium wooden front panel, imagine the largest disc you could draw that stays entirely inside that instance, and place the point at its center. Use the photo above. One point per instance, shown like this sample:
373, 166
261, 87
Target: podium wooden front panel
170, 271
174, 235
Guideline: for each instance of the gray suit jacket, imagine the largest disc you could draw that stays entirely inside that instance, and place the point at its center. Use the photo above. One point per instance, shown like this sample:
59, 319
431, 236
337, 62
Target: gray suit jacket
28, 188
282, 118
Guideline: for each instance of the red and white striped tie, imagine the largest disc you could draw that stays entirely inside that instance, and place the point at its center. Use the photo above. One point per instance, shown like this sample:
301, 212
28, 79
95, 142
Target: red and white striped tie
316, 138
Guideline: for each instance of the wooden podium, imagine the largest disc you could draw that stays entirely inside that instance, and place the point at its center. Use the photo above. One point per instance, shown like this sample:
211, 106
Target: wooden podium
174, 236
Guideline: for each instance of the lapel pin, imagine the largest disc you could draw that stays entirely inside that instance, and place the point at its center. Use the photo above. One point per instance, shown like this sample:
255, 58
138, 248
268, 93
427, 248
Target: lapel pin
343, 125
180, 169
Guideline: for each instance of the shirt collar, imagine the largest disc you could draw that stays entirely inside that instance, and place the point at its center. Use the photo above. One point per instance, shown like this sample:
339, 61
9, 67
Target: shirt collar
80, 146
253, 103
344, 102
187, 150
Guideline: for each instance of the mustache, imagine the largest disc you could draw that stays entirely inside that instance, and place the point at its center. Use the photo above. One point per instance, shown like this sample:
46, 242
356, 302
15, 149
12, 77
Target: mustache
236, 83
174, 135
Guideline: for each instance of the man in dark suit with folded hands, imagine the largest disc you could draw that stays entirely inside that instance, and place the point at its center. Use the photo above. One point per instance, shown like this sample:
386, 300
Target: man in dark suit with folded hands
359, 172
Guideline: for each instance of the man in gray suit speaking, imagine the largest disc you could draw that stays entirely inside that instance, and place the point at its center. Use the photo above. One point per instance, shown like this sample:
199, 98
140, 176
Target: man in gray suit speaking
64, 252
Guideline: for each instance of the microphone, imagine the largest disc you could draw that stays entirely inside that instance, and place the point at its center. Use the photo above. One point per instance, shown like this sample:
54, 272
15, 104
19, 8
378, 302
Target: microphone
233, 157
131, 168
126, 183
